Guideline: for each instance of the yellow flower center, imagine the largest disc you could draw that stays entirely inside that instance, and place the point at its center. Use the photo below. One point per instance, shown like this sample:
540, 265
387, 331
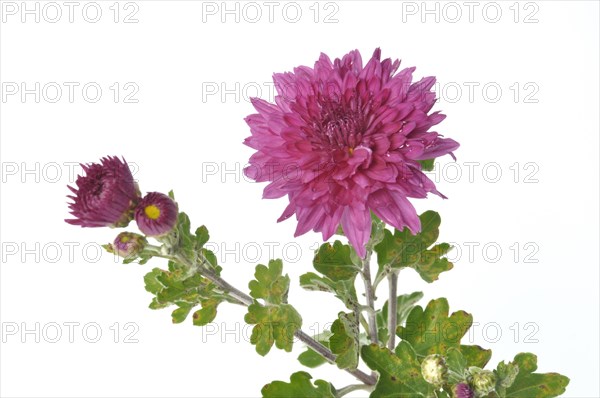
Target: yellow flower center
125, 238
152, 212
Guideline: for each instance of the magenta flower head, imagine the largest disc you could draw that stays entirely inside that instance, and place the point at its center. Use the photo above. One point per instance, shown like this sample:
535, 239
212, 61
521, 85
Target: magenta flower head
156, 214
106, 196
463, 390
343, 140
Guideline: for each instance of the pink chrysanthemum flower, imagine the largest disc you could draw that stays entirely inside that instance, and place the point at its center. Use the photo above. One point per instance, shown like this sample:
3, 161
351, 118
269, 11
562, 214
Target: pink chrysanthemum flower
105, 196
343, 140
156, 214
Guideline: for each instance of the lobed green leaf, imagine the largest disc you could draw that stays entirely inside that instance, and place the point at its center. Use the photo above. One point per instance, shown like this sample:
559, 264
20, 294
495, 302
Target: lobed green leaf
275, 324
335, 261
403, 249
399, 372
300, 385
344, 342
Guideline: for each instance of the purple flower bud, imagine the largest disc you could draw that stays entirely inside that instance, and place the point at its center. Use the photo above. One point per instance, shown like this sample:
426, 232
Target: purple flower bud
156, 214
105, 196
463, 390
127, 244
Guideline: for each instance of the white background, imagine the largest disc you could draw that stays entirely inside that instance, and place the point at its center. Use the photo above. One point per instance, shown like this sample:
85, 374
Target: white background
181, 135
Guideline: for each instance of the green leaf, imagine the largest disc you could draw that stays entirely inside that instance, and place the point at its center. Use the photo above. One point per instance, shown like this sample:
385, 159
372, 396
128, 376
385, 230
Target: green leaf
177, 287
311, 358
270, 284
535, 385
475, 355
181, 285
431, 265
399, 372
344, 342
186, 240
207, 313
432, 331
427, 165
457, 366
300, 385
202, 236
182, 312
190, 290
274, 324
377, 231
152, 284
212, 260
335, 261
343, 290
403, 249
506, 375
405, 303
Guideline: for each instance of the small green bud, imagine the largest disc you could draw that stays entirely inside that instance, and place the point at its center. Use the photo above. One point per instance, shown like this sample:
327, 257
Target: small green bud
483, 381
434, 369
127, 245
507, 374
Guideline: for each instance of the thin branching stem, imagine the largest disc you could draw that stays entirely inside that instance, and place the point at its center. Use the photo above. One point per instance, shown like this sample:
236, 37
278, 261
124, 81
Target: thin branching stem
203, 268
392, 309
353, 387
370, 294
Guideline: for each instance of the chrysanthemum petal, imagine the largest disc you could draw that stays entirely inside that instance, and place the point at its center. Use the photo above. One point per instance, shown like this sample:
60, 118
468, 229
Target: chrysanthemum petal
356, 224
395, 210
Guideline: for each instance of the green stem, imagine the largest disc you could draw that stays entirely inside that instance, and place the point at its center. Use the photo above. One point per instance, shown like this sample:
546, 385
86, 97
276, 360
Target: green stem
370, 294
392, 309
363, 322
204, 269
353, 387
379, 278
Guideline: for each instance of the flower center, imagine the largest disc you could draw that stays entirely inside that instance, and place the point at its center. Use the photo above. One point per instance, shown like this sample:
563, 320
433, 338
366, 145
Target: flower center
152, 212
97, 190
342, 124
125, 239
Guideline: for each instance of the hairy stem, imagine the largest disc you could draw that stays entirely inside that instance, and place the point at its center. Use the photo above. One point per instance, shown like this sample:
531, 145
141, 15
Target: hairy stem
246, 300
370, 294
354, 387
379, 278
392, 309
